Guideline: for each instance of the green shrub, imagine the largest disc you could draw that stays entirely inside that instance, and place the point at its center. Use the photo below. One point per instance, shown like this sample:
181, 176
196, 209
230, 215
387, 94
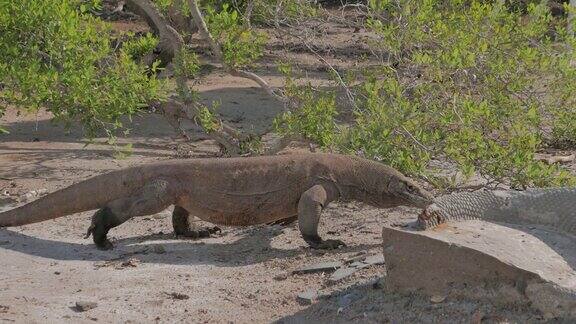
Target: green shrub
140, 46
241, 46
54, 54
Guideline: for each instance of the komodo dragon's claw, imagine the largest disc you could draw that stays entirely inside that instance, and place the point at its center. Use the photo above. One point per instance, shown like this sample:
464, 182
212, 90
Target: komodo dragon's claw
327, 244
199, 233
102, 221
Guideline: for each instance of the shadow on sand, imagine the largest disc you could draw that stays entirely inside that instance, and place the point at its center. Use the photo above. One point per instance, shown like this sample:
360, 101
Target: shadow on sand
252, 246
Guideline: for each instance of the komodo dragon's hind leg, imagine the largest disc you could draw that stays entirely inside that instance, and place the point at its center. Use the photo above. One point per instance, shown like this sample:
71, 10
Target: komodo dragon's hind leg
183, 227
152, 198
310, 207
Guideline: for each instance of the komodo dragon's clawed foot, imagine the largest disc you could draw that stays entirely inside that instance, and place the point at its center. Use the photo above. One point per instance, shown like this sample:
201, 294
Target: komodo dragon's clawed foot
198, 233
320, 244
102, 221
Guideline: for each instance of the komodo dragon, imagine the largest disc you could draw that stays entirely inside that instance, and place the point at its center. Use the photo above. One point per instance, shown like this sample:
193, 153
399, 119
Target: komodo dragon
555, 208
227, 191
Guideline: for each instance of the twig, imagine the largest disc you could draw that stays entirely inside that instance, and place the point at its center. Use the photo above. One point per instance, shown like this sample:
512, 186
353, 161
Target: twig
203, 28
248, 13
571, 17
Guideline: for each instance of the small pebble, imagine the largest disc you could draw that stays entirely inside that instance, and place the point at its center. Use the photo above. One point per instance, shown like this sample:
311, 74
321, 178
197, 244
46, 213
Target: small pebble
178, 296
437, 299
307, 297
82, 306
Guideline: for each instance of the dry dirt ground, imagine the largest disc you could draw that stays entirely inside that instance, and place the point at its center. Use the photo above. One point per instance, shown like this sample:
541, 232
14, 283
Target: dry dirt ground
241, 276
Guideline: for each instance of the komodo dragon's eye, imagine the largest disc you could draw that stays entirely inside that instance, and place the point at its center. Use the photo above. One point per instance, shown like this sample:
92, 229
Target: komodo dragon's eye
411, 188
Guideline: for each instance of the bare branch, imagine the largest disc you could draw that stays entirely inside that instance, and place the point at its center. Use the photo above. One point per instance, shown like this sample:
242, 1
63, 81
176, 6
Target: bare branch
174, 111
248, 13
170, 41
571, 17
201, 24
203, 28
254, 77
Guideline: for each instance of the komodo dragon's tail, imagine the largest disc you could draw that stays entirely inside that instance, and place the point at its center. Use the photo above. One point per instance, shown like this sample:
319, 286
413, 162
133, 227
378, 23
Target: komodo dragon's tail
86, 195
552, 207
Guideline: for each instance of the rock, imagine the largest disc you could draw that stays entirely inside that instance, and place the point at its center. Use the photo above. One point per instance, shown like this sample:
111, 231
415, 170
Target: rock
355, 264
307, 297
318, 267
436, 299
342, 273
375, 259
178, 296
82, 306
281, 276
485, 262
357, 257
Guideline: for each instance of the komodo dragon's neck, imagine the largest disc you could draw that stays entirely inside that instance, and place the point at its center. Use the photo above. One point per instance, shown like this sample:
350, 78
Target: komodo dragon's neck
376, 184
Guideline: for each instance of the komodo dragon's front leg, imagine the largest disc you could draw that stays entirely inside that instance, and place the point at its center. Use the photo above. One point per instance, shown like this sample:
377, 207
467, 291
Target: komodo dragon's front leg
152, 198
310, 207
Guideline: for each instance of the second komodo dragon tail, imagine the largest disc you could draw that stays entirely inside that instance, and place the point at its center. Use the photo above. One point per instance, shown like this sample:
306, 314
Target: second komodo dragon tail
87, 195
554, 207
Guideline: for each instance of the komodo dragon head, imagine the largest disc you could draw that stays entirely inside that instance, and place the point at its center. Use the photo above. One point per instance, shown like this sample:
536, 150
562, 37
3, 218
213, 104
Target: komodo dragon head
409, 192
383, 186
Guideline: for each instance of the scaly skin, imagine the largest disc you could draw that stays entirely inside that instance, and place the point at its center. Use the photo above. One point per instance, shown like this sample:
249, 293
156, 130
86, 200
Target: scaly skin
555, 208
228, 191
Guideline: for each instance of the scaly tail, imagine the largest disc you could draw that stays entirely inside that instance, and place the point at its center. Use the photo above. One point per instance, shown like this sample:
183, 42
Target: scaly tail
87, 195
552, 207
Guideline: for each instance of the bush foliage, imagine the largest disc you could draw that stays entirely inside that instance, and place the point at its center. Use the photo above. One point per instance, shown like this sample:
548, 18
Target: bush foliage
478, 83
55, 54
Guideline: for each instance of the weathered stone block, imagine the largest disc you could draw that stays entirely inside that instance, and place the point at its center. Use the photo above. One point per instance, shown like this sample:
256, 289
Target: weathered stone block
479, 260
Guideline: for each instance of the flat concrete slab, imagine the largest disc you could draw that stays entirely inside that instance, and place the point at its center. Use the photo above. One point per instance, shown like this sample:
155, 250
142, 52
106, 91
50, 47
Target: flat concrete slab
479, 260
